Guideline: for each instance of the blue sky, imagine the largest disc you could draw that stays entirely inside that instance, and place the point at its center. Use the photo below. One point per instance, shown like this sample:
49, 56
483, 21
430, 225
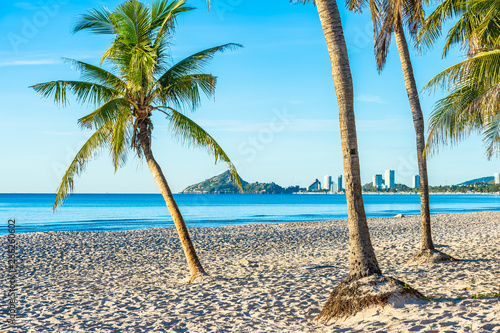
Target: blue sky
275, 111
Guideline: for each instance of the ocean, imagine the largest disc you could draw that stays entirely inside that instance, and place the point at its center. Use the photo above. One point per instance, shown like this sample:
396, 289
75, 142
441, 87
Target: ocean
109, 212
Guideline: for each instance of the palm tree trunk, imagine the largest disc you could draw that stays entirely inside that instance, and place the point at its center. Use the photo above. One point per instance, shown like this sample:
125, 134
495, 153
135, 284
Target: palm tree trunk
418, 122
362, 260
194, 263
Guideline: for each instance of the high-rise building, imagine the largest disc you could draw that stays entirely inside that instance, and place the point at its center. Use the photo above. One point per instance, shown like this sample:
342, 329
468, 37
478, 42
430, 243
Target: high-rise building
497, 178
416, 181
327, 183
377, 181
389, 179
339, 183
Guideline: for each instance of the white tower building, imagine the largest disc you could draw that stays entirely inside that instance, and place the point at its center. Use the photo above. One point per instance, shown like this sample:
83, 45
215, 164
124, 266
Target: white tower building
416, 181
327, 182
390, 179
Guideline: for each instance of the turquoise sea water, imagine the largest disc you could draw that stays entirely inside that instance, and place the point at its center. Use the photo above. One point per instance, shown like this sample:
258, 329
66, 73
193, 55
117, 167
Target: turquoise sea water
106, 212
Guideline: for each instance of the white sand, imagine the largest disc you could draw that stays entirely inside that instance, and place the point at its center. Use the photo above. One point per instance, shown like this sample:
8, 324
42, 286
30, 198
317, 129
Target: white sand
267, 278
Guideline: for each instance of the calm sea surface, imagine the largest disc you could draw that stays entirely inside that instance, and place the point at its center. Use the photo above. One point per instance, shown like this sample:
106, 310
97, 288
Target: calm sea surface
105, 212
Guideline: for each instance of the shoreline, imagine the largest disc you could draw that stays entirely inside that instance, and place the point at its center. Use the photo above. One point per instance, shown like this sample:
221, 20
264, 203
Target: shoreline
265, 277
228, 223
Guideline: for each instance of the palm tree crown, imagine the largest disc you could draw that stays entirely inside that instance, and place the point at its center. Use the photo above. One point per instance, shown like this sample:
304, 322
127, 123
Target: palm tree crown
472, 103
142, 80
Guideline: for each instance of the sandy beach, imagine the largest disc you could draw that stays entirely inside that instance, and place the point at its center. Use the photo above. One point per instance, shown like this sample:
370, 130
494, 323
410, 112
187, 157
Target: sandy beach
264, 278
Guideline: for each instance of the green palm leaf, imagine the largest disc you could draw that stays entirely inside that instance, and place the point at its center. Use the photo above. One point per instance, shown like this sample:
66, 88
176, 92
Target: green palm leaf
107, 113
85, 92
98, 21
194, 63
192, 135
77, 166
120, 138
185, 90
97, 74
491, 137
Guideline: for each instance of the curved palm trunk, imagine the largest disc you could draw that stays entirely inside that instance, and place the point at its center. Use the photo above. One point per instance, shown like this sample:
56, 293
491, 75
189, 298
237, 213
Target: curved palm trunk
362, 260
418, 122
192, 259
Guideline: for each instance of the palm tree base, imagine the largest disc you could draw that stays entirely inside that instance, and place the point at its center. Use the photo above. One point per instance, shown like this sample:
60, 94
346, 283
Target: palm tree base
199, 277
352, 296
429, 257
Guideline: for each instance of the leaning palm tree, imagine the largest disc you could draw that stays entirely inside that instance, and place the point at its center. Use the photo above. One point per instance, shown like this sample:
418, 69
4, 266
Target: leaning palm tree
392, 16
355, 292
474, 84
143, 81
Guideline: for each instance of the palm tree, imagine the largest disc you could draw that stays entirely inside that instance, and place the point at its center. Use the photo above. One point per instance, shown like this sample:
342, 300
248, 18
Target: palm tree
349, 296
362, 260
472, 104
391, 16
143, 81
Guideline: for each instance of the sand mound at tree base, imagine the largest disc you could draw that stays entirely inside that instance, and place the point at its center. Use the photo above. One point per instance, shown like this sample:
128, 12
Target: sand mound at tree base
353, 296
429, 257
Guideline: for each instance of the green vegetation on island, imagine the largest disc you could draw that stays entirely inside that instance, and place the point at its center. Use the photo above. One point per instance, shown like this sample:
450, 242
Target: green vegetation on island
398, 188
479, 185
224, 184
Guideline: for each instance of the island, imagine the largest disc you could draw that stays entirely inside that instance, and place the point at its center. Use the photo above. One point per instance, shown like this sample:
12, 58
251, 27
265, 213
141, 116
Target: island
224, 184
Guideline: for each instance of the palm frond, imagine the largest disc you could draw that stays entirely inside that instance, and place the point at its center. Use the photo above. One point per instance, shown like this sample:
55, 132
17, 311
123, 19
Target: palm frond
491, 136
193, 64
185, 90
77, 166
356, 5
163, 17
481, 70
120, 138
134, 23
98, 21
108, 112
383, 29
451, 120
97, 74
192, 135
85, 92
432, 28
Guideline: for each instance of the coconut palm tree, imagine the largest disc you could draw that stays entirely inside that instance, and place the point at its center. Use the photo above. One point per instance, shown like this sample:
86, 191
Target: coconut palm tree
142, 82
349, 297
362, 260
472, 103
392, 16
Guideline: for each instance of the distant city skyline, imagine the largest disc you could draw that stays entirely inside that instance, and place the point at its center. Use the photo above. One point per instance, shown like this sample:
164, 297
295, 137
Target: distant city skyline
276, 124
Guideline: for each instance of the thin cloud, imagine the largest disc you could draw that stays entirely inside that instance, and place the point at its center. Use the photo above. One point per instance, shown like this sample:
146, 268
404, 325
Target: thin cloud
306, 125
370, 99
28, 62
81, 133
288, 125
